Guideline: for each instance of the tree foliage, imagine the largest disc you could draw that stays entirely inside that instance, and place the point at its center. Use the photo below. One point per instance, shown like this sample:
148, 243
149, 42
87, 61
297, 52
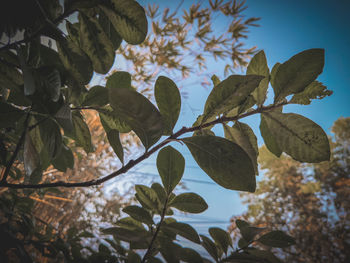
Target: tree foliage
43, 91
310, 201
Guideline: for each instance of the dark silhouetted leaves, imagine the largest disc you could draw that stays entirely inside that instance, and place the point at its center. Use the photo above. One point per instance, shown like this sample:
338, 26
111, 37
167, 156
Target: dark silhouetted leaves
184, 230
171, 166
9, 115
298, 136
294, 75
81, 133
119, 79
96, 96
114, 141
276, 239
221, 238
139, 214
31, 157
64, 159
169, 102
224, 161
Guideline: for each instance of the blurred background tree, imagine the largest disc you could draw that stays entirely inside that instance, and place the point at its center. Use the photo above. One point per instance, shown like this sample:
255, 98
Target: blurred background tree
310, 201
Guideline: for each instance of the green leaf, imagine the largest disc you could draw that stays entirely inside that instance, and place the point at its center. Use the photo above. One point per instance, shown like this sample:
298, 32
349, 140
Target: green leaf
221, 238
52, 83
316, 90
241, 134
170, 251
129, 20
277, 239
64, 118
294, 75
96, 44
73, 32
160, 191
76, 62
298, 136
96, 96
258, 66
269, 139
249, 232
171, 166
28, 78
139, 213
108, 28
184, 230
169, 102
9, 115
229, 94
126, 234
189, 202
139, 113
147, 196
51, 137
133, 257
64, 159
224, 161
114, 141
265, 255
31, 157
215, 80
111, 120
190, 255
273, 74
130, 223
209, 246
119, 80
81, 133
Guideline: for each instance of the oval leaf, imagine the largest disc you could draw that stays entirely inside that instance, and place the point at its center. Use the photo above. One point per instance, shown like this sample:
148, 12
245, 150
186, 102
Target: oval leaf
64, 160
184, 230
190, 255
169, 102
189, 202
244, 136
129, 20
258, 66
277, 239
209, 246
221, 237
114, 141
171, 166
81, 133
96, 96
147, 196
298, 72
96, 44
298, 136
139, 214
229, 94
139, 113
119, 79
224, 161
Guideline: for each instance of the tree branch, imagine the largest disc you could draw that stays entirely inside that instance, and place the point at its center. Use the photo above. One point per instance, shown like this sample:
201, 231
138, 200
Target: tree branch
144, 156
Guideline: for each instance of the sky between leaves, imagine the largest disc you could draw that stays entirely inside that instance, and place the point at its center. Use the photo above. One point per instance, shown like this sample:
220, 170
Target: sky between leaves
286, 28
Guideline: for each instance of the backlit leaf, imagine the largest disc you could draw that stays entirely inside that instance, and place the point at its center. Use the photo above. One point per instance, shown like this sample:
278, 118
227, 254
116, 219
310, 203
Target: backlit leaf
241, 134
139, 113
96, 96
224, 161
209, 246
114, 141
298, 136
277, 239
64, 159
229, 94
258, 66
96, 44
139, 214
221, 237
81, 133
171, 166
147, 196
189, 202
184, 230
269, 139
110, 31
294, 75
119, 79
169, 102
129, 20
316, 90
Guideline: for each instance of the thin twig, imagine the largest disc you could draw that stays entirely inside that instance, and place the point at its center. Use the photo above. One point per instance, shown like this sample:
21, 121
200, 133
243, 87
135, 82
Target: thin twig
144, 156
149, 249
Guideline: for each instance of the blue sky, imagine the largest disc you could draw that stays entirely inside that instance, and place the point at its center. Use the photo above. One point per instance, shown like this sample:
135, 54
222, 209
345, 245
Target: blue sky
286, 28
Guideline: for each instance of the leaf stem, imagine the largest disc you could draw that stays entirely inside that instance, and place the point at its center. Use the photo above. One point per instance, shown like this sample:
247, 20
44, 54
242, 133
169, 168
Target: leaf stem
144, 156
149, 249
